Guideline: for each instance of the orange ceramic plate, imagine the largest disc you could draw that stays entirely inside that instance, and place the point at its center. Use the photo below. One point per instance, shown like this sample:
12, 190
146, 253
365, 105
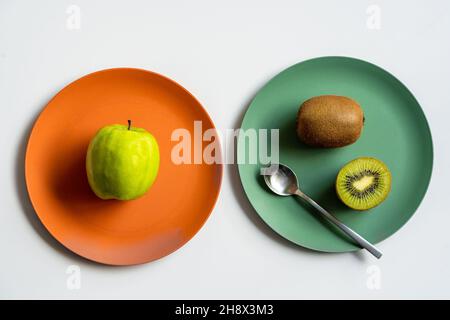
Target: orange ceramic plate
111, 231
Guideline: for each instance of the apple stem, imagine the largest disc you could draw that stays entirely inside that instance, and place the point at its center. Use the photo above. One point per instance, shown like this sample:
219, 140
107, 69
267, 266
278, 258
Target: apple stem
129, 124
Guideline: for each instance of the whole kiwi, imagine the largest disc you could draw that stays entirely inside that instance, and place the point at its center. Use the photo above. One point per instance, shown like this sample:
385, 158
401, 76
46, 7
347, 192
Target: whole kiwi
329, 121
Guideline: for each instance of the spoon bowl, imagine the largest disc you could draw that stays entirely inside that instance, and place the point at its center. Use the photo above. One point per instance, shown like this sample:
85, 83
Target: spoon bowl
282, 181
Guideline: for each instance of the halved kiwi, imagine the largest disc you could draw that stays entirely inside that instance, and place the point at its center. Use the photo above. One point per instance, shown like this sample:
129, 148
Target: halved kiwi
363, 183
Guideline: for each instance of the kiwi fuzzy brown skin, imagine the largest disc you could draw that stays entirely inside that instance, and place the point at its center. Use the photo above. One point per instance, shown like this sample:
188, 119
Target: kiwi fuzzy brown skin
329, 121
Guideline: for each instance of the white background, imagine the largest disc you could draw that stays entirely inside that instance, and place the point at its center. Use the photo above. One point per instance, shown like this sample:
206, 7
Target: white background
223, 52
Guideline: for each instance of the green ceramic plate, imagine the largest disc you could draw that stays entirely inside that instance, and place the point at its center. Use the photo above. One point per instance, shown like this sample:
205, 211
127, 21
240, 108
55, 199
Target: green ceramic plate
395, 131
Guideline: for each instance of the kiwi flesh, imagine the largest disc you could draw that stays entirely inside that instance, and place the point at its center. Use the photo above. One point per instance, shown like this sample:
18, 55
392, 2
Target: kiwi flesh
363, 183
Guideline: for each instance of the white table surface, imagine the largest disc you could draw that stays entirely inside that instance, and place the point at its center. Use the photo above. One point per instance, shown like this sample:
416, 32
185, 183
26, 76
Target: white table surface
223, 52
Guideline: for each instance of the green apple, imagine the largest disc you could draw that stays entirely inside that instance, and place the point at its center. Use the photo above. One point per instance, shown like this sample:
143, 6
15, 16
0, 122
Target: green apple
122, 162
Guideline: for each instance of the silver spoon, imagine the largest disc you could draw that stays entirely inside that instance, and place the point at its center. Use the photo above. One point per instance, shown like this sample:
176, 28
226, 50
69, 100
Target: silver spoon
283, 182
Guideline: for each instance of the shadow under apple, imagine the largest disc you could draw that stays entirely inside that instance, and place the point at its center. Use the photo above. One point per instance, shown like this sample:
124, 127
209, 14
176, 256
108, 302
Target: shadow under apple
72, 188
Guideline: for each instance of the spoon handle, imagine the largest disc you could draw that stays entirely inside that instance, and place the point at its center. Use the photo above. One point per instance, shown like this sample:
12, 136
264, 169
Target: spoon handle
352, 234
